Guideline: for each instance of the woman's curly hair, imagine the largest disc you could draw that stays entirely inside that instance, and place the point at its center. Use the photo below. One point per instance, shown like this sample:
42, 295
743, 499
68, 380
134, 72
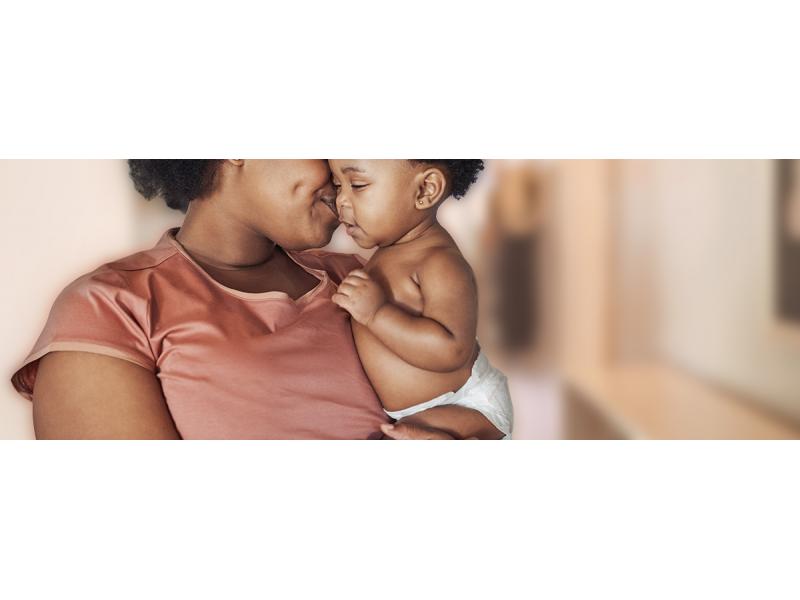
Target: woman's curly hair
177, 181
461, 174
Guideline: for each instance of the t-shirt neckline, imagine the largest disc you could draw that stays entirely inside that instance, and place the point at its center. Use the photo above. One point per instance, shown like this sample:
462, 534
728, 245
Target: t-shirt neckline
320, 274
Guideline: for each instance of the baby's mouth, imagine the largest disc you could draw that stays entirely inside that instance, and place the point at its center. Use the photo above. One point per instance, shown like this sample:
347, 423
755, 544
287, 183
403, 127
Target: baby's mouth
349, 227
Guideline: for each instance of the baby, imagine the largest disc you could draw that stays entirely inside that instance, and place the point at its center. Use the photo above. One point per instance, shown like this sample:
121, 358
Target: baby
414, 304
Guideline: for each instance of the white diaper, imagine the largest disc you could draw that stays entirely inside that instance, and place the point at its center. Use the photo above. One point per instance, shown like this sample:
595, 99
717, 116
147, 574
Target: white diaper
486, 391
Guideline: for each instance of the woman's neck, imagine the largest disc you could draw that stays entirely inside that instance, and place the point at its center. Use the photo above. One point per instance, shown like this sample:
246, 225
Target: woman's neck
215, 237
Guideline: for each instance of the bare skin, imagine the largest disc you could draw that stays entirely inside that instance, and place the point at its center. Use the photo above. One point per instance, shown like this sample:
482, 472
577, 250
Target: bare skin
80, 395
414, 304
237, 234
419, 342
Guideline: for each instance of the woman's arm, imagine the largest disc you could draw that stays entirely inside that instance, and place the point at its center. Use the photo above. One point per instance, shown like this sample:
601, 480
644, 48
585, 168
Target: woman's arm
80, 395
444, 422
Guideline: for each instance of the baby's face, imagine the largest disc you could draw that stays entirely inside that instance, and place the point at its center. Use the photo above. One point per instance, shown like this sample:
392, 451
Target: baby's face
376, 199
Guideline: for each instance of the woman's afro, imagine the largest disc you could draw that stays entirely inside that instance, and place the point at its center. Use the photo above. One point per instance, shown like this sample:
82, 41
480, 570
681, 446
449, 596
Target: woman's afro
177, 181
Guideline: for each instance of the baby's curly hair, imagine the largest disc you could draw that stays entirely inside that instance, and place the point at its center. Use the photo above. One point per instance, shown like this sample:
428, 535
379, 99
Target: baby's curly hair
461, 174
177, 181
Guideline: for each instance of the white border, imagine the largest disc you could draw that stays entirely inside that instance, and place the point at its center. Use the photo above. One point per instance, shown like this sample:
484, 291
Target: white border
421, 520
572, 79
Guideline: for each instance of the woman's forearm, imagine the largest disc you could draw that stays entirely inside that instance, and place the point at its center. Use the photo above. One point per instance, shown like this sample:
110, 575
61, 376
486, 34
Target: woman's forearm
458, 421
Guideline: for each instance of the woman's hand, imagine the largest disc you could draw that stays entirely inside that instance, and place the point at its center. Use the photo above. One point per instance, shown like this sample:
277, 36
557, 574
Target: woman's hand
411, 431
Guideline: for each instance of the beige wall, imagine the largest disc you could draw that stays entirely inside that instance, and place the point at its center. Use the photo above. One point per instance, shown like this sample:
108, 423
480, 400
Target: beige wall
580, 221
694, 267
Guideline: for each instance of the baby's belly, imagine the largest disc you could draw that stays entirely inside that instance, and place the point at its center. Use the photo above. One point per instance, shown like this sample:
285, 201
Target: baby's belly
398, 384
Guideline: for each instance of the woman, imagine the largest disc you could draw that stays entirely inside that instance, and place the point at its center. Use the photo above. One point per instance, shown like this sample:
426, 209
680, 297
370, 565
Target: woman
224, 329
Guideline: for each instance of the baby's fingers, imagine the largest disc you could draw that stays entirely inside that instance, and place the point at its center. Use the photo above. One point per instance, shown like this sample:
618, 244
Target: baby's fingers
347, 287
359, 273
354, 279
340, 300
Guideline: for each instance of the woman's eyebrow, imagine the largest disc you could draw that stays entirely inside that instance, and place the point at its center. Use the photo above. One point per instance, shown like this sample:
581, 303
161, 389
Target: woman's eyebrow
352, 170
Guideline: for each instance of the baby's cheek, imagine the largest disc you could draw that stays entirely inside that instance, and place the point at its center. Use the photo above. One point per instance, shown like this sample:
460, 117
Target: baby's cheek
365, 243
374, 232
364, 239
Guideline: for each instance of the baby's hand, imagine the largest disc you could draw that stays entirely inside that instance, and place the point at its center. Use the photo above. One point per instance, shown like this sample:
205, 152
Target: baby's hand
360, 296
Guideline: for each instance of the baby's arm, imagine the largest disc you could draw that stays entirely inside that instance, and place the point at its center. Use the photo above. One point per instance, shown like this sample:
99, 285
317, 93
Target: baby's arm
442, 338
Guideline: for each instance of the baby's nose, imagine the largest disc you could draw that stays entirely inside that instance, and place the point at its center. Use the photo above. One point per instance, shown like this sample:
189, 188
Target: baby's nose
340, 201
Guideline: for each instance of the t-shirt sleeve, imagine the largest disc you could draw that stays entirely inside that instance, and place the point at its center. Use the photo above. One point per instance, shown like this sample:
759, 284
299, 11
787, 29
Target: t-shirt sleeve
98, 314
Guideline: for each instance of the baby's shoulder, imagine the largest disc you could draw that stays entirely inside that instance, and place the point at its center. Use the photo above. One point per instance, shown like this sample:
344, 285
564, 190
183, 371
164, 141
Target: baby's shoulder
444, 264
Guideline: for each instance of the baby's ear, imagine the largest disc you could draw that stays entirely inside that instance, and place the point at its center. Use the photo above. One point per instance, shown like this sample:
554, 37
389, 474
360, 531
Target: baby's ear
432, 188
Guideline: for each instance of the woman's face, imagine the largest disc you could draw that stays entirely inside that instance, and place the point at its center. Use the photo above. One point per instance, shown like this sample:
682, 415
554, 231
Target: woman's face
292, 202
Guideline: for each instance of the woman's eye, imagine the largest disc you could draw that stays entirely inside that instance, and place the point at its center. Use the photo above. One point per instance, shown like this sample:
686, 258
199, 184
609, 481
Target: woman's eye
358, 187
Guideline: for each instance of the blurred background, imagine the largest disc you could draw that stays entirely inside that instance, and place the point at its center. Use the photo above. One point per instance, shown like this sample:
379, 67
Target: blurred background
624, 299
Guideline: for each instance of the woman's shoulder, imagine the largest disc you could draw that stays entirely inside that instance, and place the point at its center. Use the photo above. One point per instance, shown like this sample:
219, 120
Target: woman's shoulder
145, 259
125, 272
336, 264
118, 290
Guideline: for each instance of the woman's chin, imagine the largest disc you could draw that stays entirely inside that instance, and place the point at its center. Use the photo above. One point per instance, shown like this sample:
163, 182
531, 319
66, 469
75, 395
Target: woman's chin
319, 237
328, 226
326, 236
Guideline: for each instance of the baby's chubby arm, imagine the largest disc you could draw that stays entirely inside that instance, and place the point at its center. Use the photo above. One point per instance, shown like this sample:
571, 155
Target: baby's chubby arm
442, 339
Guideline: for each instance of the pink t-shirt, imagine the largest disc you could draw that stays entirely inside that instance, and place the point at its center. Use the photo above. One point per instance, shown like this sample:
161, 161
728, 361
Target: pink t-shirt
231, 364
